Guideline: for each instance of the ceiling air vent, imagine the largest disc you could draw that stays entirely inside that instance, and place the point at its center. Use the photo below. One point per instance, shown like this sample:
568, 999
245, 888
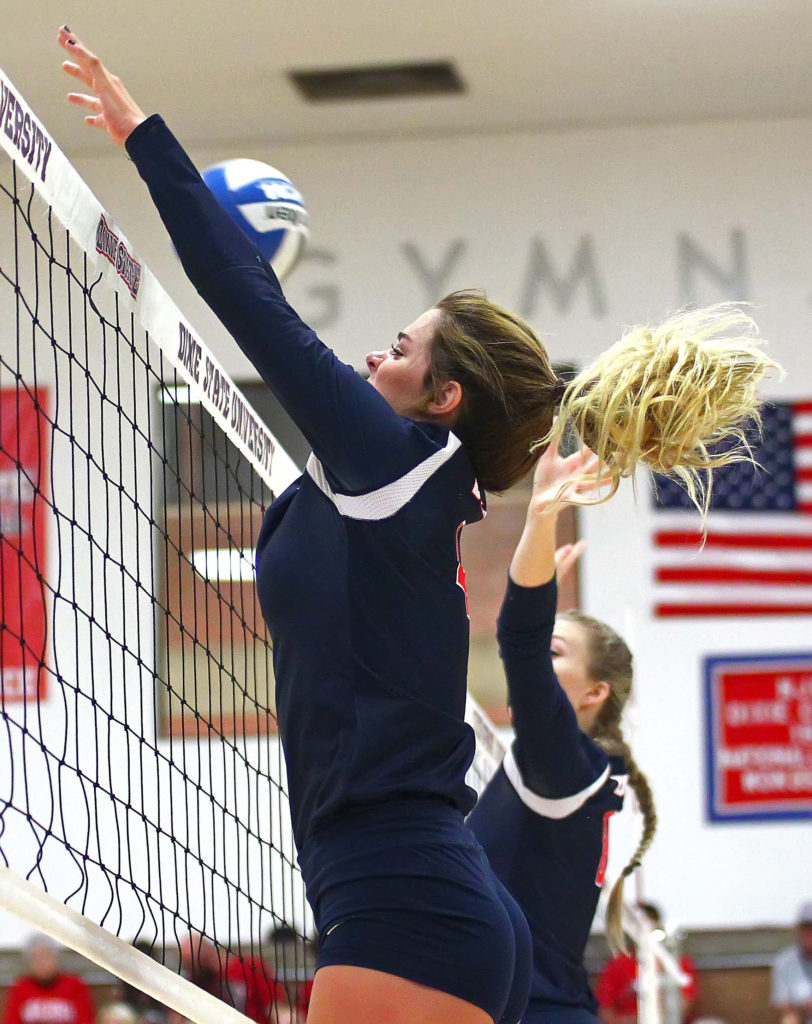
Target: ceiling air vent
376, 82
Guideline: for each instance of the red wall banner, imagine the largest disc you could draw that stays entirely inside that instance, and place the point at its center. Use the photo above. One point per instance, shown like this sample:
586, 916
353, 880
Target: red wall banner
759, 737
24, 432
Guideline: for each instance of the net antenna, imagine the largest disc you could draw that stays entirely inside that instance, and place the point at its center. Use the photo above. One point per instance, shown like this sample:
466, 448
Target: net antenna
142, 787
654, 959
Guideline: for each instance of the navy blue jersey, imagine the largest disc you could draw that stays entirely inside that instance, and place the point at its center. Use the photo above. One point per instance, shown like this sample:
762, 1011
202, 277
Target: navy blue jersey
358, 561
543, 818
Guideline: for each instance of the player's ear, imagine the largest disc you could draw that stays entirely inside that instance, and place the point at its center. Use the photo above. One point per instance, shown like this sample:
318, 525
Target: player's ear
596, 695
446, 399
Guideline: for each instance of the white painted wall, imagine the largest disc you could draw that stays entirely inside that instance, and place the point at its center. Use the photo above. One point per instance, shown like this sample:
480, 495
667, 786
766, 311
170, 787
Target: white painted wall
477, 205
670, 214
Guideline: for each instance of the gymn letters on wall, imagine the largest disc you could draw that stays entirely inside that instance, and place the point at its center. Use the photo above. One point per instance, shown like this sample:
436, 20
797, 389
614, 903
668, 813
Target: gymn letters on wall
23, 528
552, 281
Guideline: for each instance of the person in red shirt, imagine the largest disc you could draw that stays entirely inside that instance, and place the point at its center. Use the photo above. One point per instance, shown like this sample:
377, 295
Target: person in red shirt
243, 982
616, 990
45, 995
251, 987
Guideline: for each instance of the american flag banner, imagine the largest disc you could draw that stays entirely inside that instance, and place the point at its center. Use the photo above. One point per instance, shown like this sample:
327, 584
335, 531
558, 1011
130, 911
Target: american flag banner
757, 559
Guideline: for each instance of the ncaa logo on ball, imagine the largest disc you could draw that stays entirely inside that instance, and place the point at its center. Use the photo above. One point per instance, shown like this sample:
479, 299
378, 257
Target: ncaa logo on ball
266, 205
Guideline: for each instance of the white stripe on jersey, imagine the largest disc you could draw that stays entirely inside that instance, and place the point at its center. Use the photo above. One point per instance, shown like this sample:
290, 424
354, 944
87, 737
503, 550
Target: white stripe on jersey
549, 807
389, 499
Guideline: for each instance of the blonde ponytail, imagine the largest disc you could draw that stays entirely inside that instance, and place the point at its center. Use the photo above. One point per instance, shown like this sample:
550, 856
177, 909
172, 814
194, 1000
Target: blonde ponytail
669, 396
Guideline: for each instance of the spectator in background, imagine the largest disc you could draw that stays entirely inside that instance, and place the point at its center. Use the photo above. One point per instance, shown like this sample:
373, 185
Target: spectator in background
200, 963
243, 982
616, 990
252, 989
792, 974
46, 995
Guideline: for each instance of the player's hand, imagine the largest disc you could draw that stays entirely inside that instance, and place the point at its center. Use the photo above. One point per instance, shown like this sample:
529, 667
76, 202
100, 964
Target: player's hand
566, 556
111, 108
574, 480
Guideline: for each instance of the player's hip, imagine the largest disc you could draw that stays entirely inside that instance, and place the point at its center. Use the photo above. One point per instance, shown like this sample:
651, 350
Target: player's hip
404, 887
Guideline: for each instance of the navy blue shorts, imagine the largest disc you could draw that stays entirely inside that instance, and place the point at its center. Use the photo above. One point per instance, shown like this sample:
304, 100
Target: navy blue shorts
405, 888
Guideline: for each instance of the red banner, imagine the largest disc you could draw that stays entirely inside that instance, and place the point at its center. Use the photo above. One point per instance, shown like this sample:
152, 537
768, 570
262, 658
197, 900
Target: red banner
759, 733
24, 432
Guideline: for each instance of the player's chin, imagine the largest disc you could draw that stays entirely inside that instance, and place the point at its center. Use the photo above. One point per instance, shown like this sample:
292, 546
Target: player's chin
382, 391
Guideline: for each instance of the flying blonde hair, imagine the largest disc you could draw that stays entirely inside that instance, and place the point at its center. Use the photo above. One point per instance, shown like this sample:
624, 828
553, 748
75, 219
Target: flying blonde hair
677, 398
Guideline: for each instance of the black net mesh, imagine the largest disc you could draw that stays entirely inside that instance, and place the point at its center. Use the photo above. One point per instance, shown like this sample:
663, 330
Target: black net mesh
141, 779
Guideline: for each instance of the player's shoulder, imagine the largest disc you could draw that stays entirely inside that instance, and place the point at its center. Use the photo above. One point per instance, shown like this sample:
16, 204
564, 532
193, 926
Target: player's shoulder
440, 457
612, 766
426, 451
441, 447
603, 766
432, 439
618, 774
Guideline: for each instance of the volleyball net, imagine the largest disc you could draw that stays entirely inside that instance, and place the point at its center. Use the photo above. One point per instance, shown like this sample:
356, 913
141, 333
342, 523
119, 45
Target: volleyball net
142, 787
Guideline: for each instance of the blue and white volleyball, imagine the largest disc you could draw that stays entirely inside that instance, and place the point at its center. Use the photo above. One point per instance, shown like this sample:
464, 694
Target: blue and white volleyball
266, 205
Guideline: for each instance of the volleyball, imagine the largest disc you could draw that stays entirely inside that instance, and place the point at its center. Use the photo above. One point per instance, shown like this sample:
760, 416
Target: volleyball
266, 205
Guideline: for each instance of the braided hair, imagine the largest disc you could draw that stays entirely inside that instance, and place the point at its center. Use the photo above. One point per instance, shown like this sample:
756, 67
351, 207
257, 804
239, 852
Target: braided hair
610, 660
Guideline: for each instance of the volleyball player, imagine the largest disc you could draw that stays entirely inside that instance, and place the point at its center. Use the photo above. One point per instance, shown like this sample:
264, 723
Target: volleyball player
359, 581
543, 819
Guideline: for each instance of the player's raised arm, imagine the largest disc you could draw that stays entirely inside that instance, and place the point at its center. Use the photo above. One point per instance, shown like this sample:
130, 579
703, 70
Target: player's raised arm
547, 749
356, 433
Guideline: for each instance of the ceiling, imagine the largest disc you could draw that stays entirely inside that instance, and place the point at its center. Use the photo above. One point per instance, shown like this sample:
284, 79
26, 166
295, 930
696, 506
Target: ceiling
217, 70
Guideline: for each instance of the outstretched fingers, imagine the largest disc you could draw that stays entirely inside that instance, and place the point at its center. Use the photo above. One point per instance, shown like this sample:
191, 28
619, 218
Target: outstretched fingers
590, 491
76, 72
84, 65
92, 103
112, 108
88, 102
566, 556
582, 459
78, 51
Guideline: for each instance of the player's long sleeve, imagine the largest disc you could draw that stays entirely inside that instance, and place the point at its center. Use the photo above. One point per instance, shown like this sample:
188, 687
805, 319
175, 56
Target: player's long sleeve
554, 757
352, 429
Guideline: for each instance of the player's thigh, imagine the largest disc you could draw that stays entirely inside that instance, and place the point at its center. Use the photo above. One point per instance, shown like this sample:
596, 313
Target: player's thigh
359, 995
